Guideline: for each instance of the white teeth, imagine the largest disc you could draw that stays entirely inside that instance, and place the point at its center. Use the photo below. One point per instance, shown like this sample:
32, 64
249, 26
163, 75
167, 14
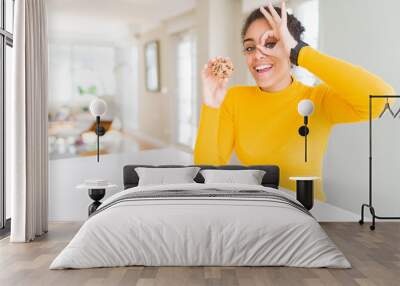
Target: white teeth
258, 68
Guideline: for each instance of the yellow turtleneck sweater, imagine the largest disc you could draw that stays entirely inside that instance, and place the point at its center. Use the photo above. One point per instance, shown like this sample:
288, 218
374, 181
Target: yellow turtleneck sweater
262, 127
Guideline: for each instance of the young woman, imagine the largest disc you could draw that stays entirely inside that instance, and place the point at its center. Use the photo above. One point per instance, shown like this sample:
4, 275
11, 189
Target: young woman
261, 122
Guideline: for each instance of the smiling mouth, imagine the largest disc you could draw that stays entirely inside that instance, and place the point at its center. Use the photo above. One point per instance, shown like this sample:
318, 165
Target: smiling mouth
261, 69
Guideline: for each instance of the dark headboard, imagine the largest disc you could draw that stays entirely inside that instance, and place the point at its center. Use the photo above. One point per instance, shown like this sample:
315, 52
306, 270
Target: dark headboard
270, 179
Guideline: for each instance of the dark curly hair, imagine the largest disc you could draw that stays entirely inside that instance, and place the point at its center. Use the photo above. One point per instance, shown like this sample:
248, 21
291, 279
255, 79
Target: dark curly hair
294, 25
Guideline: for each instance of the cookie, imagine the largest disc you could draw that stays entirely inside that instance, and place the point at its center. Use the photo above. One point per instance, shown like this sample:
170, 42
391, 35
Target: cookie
222, 68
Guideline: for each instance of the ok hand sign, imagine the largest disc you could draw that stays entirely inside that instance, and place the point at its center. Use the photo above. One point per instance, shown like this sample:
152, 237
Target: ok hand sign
279, 31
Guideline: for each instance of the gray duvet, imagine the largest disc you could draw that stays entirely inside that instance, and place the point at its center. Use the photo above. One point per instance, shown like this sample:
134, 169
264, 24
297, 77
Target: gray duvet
201, 224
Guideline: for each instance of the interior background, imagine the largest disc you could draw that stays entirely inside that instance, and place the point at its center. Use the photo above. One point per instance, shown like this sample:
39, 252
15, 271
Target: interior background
101, 43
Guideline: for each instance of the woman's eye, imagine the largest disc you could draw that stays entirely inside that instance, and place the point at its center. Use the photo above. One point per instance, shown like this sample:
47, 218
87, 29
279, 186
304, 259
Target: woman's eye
270, 45
249, 49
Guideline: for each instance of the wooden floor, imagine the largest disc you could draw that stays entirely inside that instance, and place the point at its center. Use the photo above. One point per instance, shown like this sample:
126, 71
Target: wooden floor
375, 257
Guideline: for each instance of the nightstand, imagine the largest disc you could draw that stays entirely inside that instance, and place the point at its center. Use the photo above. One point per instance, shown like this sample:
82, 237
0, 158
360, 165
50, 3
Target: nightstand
96, 193
305, 190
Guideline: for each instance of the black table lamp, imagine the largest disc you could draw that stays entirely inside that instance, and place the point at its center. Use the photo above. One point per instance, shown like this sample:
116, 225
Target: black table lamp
305, 109
98, 107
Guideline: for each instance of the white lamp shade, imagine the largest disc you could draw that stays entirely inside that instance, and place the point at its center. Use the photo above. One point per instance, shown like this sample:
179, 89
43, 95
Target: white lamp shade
305, 107
98, 107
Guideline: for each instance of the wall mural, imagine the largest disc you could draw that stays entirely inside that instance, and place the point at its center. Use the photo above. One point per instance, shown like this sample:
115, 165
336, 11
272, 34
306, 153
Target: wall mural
260, 123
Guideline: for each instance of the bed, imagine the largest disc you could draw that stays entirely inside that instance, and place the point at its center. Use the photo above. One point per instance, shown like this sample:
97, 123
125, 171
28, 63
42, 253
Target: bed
201, 224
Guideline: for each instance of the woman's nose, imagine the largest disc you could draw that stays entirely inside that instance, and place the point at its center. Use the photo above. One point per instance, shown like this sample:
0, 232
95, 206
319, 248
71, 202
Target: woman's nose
259, 54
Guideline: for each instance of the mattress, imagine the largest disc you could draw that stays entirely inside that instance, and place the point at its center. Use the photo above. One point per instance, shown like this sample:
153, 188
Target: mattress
201, 225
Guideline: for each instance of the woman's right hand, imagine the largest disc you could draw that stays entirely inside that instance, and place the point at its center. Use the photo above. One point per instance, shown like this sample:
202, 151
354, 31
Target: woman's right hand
214, 88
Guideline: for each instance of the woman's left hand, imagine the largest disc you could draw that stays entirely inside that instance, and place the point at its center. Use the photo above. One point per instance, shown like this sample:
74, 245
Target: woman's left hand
279, 30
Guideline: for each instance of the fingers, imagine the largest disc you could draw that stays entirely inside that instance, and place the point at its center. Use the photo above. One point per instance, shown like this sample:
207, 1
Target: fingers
204, 71
266, 35
264, 50
223, 82
284, 13
210, 62
273, 17
274, 14
269, 18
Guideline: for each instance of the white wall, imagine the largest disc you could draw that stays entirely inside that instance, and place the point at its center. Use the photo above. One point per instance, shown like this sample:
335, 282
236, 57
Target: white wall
156, 108
218, 26
127, 77
67, 203
364, 32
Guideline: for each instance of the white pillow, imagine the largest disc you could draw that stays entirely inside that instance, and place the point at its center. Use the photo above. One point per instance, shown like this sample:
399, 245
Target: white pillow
249, 177
162, 176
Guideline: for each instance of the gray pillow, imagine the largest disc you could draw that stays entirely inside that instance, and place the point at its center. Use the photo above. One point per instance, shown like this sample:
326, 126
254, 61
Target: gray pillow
162, 176
248, 177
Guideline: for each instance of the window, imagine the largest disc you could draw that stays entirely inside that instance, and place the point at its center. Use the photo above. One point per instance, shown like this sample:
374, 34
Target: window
6, 43
186, 95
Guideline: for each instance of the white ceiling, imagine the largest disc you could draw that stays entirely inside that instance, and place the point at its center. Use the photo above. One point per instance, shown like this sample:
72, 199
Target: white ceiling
137, 13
